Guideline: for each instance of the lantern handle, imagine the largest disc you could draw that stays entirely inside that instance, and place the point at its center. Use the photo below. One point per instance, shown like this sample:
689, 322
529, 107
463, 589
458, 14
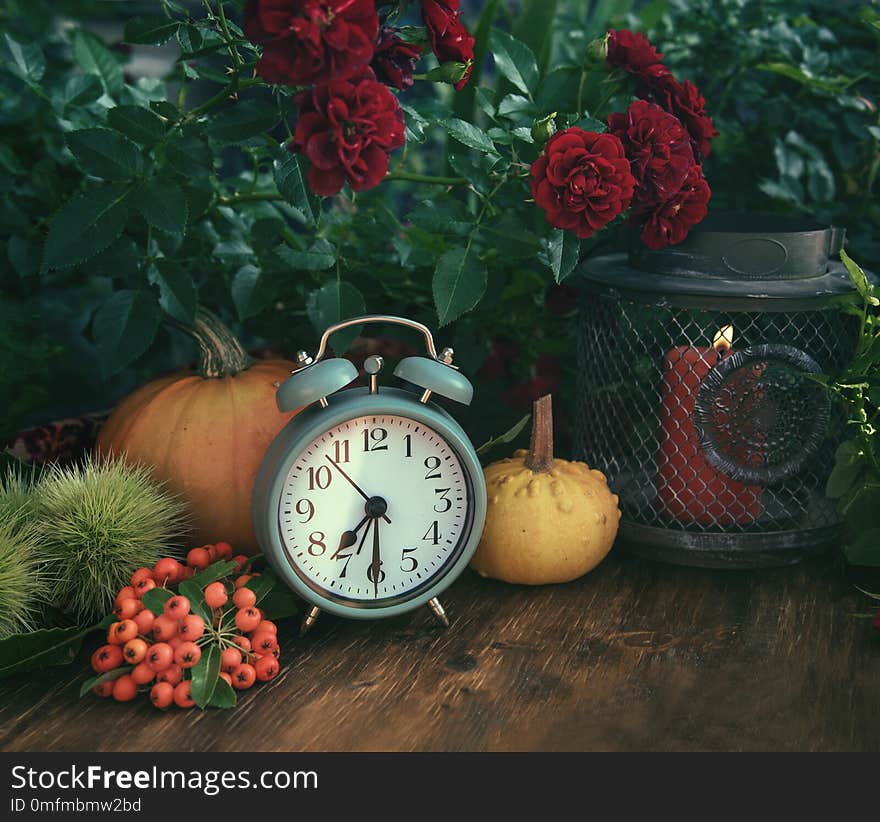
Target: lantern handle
379, 318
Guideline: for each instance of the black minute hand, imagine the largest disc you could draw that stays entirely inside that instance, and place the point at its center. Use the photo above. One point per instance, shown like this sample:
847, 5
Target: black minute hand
376, 564
353, 483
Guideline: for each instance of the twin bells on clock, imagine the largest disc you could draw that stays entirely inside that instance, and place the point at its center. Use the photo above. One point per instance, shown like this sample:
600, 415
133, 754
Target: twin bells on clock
318, 378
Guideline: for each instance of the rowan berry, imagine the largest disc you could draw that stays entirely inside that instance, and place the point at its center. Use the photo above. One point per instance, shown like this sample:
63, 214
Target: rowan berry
187, 654
143, 586
125, 593
182, 696
177, 607
167, 571
244, 598
243, 580
243, 643
215, 595
122, 631
198, 558
230, 659
162, 694
263, 642
224, 550
106, 658
142, 673
144, 620
176, 641
164, 628
103, 690
135, 650
124, 688
266, 668
212, 552
191, 627
128, 608
172, 674
266, 625
226, 678
141, 573
246, 619
239, 560
243, 676
160, 656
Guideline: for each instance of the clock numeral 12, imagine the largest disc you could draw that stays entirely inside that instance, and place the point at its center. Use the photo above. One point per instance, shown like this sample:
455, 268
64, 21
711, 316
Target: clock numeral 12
373, 437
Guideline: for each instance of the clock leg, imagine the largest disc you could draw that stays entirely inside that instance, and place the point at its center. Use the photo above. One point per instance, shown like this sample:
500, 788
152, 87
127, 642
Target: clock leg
310, 619
439, 613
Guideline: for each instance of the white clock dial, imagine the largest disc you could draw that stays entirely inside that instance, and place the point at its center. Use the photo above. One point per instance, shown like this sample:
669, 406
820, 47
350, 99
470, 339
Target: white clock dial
331, 518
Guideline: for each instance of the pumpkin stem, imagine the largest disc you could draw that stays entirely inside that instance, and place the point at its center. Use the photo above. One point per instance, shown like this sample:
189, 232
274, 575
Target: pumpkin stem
220, 353
540, 456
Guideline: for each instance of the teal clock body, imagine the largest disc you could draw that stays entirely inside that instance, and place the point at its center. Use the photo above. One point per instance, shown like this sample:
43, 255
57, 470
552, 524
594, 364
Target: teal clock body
371, 501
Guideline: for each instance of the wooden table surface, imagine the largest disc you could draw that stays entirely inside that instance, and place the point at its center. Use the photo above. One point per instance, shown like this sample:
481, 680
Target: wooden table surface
634, 656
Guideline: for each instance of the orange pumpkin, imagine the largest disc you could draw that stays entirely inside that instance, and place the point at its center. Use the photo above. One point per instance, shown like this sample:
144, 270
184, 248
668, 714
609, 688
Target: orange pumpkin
205, 433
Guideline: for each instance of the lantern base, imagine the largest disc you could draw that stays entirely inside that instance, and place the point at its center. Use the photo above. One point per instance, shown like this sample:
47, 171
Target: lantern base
721, 550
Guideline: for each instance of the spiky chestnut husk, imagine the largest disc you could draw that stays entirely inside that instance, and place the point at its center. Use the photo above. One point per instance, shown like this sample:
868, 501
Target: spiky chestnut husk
23, 582
97, 523
16, 497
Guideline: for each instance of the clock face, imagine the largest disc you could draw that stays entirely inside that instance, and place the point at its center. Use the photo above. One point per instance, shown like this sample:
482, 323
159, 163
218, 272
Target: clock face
374, 509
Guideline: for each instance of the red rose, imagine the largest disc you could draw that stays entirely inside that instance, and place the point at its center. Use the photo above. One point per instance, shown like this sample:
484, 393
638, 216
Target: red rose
311, 41
395, 60
672, 220
450, 40
346, 129
685, 102
632, 52
659, 150
582, 180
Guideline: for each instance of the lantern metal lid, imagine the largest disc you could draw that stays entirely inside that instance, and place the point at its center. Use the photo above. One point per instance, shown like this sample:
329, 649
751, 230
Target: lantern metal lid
782, 263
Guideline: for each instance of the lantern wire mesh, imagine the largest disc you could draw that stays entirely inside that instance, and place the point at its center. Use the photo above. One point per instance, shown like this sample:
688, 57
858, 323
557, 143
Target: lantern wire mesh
747, 451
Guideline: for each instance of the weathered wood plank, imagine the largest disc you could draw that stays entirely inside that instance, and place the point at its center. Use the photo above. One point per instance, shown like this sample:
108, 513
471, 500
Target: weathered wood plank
633, 656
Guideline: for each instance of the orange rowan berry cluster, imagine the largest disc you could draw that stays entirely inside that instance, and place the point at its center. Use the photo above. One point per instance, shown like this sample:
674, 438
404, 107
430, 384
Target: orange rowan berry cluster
156, 647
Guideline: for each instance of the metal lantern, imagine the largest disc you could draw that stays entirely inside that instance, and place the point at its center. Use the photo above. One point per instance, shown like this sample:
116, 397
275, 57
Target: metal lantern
697, 393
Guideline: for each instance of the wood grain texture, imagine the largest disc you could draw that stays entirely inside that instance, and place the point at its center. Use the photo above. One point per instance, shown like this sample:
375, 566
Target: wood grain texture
634, 656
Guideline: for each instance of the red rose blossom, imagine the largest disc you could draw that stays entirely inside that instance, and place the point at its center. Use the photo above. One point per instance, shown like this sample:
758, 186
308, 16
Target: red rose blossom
685, 102
311, 41
395, 60
582, 180
632, 52
672, 220
659, 150
346, 129
450, 40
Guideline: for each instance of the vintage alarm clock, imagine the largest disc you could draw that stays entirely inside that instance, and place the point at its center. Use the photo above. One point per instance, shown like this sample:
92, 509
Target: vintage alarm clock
371, 501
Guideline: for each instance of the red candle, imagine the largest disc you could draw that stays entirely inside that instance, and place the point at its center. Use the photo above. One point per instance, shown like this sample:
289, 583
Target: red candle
689, 489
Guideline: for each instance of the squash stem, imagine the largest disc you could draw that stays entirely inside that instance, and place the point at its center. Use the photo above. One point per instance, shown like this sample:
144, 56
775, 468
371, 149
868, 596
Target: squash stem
540, 456
220, 353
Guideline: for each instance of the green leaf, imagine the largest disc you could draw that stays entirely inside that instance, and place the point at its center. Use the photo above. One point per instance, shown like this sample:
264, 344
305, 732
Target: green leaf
847, 469
215, 571
827, 85
443, 215
80, 90
196, 596
335, 301
320, 255
508, 232
865, 550
560, 252
559, 89
289, 170
263, 585
859, 279
516, 104
28, 59
224, 696
150, 31
105, 153
125, 327
107, 676
515, 61
84, 226
861, 508
281, 603
40, 649
155, 599
468, 134
137, 123
508, 436
177, 291
415, 125
93, 57
206, 675
243, 120
162, 204
459, 283
189, 155
250, 293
